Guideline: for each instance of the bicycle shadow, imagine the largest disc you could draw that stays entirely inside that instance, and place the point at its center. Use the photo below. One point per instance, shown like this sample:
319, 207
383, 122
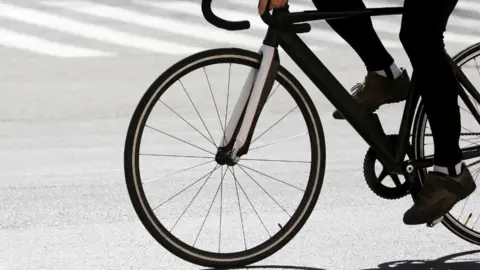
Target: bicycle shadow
437, 264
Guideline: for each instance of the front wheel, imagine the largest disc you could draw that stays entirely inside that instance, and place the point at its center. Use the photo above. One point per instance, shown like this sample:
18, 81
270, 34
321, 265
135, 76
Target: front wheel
464, 219
219, 215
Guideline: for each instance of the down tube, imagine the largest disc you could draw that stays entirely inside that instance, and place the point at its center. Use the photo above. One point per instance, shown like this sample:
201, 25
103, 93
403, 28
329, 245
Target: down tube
339, 97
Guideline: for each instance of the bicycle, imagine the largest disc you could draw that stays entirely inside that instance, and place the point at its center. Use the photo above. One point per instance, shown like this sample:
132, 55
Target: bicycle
401, 155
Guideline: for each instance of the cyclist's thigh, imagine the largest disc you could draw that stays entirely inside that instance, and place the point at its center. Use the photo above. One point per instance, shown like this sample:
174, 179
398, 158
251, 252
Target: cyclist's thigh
427, 17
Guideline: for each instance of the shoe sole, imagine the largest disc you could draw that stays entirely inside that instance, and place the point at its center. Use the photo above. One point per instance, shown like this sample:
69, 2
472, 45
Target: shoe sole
419, 220
376, 109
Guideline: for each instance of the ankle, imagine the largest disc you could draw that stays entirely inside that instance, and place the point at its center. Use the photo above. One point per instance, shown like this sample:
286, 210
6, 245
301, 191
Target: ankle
453, 170
392, 72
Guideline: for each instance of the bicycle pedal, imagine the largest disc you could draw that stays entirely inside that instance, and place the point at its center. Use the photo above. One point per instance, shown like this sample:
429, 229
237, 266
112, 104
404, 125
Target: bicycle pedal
435, 222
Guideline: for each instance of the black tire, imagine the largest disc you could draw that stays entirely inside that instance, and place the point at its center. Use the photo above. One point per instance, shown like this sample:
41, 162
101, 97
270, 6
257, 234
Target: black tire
419, 124
131, 165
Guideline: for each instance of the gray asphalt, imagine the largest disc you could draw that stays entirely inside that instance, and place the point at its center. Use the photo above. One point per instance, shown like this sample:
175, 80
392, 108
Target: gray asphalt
63, 198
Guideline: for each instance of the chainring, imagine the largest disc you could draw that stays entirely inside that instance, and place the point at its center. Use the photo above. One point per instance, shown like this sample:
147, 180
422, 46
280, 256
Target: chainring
375, 183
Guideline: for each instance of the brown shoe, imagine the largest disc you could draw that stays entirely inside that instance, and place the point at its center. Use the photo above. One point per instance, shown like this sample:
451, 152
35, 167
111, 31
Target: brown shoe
438, 196
378, 90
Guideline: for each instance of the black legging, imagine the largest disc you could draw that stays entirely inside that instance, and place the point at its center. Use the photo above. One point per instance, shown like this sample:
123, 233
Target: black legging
423, 25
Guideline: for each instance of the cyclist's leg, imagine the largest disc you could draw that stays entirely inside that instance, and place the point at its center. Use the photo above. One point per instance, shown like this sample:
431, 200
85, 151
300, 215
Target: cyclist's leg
423, 25
385, 82
358, 32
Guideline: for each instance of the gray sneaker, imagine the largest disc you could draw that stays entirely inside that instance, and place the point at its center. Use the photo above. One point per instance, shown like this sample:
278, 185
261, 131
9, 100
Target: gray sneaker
378, 90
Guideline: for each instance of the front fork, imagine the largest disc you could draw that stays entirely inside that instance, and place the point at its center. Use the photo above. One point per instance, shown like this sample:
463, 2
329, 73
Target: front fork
240, 128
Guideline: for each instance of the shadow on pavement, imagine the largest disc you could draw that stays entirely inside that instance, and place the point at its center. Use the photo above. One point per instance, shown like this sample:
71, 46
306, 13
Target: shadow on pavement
267, 267
438, 264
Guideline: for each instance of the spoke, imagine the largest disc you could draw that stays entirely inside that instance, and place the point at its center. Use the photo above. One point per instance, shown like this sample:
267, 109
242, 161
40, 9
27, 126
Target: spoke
468, 102
475, 175
228, 96
276, 160
475, 224
221, 209
473, 163
471, 133
275, 142
198, 113
186, 169
474, 141
186, 121
255, 210
178, 156
274, 124
214, 101
468, 134
476, 64
476, 102
464, 134
198, 192
239, 208
467, 141
198, 147
265, 191
198, 180
465, 109
208, 212
271, 177
271, 94
477, 172
471, 142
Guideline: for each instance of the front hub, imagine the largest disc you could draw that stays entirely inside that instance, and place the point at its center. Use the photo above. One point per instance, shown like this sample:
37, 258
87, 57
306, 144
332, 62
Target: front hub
225, 158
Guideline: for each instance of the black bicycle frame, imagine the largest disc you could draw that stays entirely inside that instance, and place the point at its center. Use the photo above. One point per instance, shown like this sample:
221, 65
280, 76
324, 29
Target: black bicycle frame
368, 126
282, 31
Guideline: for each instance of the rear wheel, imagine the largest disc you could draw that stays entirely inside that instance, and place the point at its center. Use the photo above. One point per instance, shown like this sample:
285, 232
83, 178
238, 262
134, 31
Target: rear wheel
464, 219
249, 210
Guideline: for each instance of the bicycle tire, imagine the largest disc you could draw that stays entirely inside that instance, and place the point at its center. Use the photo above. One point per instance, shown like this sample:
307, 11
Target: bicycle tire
131, 168
419, 122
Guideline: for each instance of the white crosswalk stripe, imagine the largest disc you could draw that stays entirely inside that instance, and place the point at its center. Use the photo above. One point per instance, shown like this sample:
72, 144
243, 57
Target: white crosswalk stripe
176, 27
163, 24
93, 31
320, 35
192, 9
35, 44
